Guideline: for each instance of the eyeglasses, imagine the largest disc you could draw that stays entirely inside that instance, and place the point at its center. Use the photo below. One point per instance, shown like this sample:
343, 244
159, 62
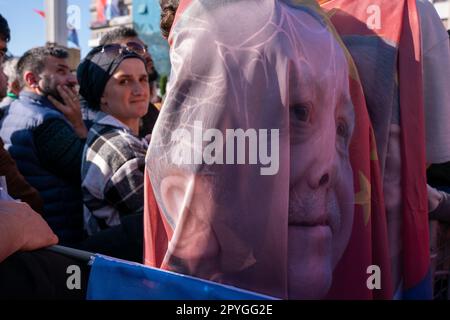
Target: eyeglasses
116, 48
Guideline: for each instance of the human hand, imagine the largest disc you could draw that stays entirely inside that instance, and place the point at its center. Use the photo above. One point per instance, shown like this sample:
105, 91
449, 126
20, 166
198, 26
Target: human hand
442, 211
28, 229
70, 108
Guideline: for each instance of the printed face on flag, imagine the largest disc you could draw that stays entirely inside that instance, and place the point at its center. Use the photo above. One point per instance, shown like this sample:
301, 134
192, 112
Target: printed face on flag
228, 220
321, 196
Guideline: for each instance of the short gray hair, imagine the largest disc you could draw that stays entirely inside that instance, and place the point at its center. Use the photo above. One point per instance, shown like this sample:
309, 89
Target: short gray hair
10, 69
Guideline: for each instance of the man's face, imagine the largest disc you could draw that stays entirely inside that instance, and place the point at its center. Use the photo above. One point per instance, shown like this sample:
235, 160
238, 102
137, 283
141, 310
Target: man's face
56, 72
321, 194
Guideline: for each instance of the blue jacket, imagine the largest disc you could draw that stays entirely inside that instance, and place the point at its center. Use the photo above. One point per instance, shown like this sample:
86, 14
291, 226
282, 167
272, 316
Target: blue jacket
62, 200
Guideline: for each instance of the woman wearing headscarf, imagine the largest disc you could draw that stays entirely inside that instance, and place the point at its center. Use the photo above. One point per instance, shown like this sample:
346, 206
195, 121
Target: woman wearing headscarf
114, 82
281, 218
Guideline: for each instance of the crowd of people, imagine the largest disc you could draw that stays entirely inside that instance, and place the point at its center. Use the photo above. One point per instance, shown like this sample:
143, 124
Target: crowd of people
357, 113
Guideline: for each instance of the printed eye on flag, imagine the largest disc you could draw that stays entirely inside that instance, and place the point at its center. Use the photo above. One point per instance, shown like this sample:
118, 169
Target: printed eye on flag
290, 255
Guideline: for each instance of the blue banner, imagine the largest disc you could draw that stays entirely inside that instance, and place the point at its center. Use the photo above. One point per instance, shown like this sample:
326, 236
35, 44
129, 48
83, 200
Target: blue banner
113, 279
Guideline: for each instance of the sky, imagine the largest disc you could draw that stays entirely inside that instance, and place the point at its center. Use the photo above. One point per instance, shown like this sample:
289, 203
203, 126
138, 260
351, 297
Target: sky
28, 27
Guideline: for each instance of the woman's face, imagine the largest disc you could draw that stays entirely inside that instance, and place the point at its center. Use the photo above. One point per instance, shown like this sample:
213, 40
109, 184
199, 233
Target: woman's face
127, 93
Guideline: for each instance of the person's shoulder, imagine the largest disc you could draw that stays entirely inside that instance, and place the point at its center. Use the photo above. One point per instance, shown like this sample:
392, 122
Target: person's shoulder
54, 123
111, 144
105, 132
21, 107
135, 147
101, 135
6, 102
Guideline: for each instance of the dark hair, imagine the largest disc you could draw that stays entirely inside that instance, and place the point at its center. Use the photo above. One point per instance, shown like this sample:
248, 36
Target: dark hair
121, 33
118, 34
34, 59
168, 11
5, 33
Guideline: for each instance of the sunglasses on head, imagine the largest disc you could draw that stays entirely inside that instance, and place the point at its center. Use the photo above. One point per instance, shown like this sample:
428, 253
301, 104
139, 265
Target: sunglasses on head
132, 47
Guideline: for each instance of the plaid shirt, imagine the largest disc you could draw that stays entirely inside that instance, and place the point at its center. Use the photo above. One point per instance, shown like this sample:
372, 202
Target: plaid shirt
112, 173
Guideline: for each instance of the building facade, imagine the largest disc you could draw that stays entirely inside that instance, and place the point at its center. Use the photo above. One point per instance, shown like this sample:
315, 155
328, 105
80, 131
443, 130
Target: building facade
144, 17
443, 9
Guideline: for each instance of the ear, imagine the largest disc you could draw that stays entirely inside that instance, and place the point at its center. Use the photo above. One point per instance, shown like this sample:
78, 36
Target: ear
176, 194
30, 79
194, 240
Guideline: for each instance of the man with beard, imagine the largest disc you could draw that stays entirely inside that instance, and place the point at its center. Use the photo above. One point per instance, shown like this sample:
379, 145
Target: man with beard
44, 133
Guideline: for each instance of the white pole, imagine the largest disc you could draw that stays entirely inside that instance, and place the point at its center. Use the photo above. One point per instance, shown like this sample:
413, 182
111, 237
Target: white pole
56, 21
